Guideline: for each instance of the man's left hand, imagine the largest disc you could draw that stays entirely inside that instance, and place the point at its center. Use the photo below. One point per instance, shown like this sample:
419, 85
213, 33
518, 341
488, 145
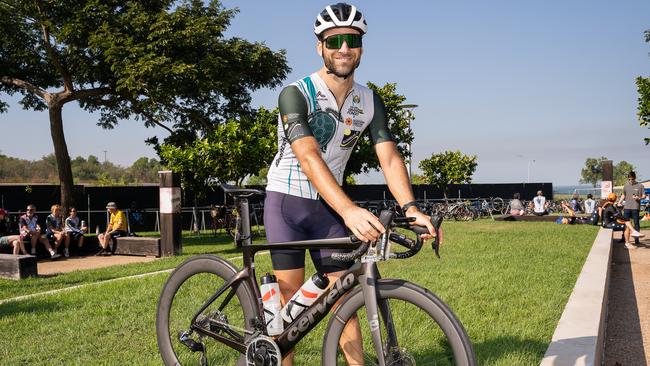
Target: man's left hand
425, 220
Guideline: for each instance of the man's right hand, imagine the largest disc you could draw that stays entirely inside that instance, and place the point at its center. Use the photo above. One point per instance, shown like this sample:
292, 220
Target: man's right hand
364, 225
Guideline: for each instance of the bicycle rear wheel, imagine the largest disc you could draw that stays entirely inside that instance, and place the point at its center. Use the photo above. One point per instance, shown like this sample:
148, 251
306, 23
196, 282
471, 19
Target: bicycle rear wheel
426, 330
187, 289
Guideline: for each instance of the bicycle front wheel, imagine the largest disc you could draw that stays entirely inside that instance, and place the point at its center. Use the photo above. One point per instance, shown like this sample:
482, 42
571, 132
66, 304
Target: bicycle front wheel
419, 330
190, 286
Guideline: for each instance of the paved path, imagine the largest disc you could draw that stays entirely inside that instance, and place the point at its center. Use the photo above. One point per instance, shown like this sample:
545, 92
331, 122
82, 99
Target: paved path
627, 341
64, 265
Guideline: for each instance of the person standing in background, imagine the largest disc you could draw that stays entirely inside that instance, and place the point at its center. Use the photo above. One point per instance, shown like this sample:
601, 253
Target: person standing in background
632, 193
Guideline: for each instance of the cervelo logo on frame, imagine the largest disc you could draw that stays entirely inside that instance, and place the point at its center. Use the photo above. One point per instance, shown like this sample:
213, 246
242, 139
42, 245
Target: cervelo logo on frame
341, 286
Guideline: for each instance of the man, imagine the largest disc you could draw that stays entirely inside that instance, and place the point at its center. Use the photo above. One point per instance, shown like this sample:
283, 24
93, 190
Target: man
321, 118
116, 227
632, 193
539, 204
590, 204
30, 231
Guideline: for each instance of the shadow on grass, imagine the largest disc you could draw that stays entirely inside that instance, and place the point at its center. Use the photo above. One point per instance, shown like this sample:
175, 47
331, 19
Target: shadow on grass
33, 306
499, 347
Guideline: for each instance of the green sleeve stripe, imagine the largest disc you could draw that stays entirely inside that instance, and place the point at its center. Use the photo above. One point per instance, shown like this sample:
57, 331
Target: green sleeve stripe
312, 91
307, 99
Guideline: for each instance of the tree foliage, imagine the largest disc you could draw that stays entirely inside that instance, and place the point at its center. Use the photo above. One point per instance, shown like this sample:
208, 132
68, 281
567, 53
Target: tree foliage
91, 170
592, 173
229, 153
449, 167
166, 63
643, 87
364, 158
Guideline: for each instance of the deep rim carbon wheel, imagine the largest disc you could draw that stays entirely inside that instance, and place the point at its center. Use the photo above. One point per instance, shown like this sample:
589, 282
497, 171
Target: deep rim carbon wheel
427, 331
186, 289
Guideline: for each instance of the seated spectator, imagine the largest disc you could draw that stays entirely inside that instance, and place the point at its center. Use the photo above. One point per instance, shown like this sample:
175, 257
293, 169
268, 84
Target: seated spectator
74, 230
54, 229
4, 222
539, 205
613, 219
30, 231
572, 219
14, 242
116, 227
516, 207
590, 204
575, 203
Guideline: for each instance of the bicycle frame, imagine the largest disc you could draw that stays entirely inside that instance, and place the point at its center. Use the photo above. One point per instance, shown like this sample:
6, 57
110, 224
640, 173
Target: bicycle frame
365, 274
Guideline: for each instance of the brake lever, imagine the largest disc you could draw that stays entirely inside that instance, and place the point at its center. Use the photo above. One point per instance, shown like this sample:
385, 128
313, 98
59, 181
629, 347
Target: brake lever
435, 244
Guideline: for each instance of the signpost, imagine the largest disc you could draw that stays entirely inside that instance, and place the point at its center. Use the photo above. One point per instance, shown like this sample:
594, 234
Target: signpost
170, 214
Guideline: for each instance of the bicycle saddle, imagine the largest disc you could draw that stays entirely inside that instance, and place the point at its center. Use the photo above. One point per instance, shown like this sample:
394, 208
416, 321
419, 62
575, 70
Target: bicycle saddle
240, 192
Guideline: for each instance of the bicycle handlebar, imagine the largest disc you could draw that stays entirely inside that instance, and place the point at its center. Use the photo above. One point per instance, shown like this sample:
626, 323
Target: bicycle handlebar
386, 218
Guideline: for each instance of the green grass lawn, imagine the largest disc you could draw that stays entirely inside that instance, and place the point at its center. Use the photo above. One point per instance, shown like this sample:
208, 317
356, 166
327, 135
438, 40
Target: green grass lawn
508, 283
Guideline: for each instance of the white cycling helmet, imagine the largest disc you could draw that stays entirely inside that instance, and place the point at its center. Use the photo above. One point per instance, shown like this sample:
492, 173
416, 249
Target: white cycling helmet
340, 15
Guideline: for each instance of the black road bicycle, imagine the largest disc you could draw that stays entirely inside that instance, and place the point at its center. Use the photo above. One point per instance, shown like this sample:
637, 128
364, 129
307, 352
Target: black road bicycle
211, 312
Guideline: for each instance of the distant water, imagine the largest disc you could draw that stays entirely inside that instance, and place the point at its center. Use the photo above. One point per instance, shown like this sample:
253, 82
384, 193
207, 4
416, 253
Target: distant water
582, 188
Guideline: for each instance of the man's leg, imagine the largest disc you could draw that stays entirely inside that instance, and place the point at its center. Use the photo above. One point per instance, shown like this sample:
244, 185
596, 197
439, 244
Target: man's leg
33, 239
350, 341
289, 281
637, 224
80, 241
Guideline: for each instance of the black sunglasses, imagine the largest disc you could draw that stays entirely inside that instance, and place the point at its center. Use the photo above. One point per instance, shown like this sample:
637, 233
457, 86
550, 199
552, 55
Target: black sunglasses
335, 42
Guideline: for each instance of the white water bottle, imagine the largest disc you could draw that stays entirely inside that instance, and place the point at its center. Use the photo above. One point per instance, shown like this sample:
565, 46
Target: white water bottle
272, 305
305, 296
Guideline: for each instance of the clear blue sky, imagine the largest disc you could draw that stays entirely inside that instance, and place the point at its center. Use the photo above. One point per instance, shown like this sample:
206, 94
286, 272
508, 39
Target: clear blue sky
509, 81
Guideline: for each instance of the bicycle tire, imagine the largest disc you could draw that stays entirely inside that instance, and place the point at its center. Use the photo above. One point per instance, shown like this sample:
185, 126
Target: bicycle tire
214, 268
396, 291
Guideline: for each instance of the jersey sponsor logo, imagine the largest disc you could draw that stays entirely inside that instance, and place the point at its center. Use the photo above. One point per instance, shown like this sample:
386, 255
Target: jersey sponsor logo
285, 118
358, 123
348, 121
323, 126
355, 111
321, 96
356, 99
350, 138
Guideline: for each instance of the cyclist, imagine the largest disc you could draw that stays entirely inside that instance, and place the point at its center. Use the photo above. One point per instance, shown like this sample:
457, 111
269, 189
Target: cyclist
321, 118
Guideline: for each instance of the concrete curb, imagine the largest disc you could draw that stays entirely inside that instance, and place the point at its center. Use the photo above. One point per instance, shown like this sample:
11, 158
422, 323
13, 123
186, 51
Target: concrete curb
580, 334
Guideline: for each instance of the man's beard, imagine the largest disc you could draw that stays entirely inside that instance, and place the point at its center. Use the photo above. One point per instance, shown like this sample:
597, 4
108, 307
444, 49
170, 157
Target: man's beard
341, 72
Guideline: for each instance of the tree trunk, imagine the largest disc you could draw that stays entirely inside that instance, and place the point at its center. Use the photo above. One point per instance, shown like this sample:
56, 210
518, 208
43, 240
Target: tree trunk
61, 154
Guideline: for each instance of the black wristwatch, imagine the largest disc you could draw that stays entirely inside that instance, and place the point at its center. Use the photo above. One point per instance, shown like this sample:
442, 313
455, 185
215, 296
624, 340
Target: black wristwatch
409, 205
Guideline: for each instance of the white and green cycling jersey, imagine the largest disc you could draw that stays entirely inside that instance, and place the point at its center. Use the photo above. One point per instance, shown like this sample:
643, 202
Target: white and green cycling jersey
309, 108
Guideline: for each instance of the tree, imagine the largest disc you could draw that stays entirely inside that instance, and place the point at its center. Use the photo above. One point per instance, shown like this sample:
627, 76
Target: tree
449, 167
643, 87
363, 158
592, 173
418, 179
166, 63
621, 170
231, 152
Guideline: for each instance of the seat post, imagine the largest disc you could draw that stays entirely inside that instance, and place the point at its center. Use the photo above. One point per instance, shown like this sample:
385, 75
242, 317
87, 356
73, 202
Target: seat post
244, 216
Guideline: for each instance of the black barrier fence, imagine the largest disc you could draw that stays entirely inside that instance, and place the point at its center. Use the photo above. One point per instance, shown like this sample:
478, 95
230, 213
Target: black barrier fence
142, 202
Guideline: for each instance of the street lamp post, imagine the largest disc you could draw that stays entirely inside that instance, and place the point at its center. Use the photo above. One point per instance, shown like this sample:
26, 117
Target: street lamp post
529, 162
407, 109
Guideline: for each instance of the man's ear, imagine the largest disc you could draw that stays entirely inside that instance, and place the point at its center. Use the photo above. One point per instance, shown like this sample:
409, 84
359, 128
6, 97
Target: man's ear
319, 48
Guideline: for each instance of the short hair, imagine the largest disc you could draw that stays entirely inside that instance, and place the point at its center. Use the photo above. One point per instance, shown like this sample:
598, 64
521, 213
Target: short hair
516, 195
590, 195
576, 195
32, 206
54, 207
631, 174
539, 193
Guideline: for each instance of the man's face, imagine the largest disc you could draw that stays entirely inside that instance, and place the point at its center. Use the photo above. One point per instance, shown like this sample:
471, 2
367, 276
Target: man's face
343, 61
30, 211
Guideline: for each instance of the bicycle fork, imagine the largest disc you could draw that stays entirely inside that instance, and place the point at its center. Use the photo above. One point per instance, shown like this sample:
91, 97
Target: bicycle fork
374, 307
